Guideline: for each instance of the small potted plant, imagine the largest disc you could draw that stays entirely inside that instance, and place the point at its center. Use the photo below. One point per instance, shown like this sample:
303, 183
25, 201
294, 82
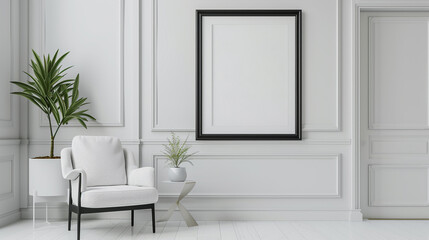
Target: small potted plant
55, 96
176, 152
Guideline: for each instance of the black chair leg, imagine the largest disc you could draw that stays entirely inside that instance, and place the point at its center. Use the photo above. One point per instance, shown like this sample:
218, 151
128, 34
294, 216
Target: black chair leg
132, 218
78, 226
153, 218
70, 213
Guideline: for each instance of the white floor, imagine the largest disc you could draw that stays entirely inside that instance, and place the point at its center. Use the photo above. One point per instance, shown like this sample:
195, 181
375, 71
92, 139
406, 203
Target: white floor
248, 230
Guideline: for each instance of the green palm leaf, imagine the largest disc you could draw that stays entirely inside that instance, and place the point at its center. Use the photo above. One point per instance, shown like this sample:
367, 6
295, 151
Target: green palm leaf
55, 96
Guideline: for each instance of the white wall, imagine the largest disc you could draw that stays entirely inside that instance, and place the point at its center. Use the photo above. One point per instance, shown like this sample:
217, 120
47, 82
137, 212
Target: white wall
137, 65
9, 112
136, 60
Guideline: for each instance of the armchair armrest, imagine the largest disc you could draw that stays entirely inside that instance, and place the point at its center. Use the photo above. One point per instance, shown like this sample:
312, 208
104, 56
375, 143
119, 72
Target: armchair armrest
74, 174
76, 177
144, 177
77, 184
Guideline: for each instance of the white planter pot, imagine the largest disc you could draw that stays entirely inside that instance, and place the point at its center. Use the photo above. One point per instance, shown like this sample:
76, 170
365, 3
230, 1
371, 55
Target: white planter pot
177, 174
45, 177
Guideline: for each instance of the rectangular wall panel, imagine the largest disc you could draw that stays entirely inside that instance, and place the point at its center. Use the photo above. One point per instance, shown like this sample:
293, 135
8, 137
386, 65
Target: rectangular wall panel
306, 176
398, 185
6, 175
5, 61
10, 42
398, 146
93, 32
9, 176
398, 73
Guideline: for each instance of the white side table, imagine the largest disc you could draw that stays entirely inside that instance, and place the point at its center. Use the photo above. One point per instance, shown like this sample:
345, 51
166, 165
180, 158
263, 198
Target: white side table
46, 183
187, 188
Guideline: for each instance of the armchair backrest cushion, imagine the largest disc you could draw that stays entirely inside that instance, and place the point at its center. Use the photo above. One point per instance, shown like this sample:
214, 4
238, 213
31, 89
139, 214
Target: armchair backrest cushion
101, 157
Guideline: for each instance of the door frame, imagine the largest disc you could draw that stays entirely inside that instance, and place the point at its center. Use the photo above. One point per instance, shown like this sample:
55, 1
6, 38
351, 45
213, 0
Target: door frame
358, 6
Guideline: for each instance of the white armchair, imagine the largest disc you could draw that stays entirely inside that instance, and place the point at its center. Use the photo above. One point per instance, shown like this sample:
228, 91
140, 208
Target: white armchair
104, 177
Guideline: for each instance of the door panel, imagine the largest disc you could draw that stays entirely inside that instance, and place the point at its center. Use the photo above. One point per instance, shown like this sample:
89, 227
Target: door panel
394, 114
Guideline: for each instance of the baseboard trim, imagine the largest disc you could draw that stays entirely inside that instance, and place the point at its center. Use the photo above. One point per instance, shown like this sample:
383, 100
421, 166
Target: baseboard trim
287, 215
9, 217
60, 213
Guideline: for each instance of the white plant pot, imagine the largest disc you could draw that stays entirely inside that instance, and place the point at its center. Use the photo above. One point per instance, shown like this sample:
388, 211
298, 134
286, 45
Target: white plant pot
177, 174
45, 177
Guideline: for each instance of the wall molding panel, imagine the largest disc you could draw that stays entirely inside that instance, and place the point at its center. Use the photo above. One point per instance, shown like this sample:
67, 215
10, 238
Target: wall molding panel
43, 122
373, 79
8, 116
6, 121
7, 183
388, 147
332, 189
155, 93
10, 37
398, 193
334, 127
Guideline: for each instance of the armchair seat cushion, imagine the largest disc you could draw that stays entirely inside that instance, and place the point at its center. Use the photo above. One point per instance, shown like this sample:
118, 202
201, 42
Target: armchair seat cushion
117, 196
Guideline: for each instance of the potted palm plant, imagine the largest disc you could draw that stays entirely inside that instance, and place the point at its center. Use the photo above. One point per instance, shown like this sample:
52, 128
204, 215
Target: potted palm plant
176, 152
57, 98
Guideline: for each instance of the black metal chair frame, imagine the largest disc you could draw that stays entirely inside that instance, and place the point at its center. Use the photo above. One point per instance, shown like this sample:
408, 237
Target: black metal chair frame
79, 210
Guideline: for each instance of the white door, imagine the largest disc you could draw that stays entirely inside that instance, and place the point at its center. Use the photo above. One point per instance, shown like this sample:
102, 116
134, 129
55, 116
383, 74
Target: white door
394, 114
